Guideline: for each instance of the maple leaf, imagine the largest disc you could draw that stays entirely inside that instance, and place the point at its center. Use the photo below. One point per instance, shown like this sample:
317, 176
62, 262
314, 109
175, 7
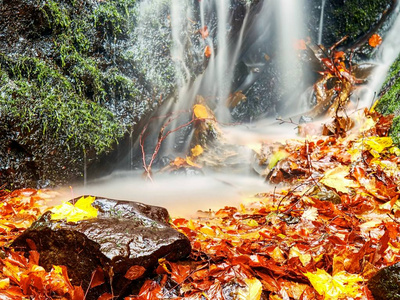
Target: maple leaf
335, 178
342, 285
200, 111
82, 210
375, 40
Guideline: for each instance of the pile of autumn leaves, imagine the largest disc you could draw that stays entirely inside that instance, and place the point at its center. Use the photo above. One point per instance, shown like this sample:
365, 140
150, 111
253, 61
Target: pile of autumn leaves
322, 237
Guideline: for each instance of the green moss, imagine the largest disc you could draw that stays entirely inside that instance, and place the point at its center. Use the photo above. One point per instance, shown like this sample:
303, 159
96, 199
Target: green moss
389, 103
38, 97
113, 18
356, 17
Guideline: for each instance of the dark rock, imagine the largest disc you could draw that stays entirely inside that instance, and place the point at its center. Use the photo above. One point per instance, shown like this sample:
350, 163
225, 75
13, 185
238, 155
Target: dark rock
124, 234
385, 285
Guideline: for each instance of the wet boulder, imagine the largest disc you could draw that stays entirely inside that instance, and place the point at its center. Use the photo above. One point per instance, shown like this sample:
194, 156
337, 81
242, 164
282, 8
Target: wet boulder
385, 284
124, 236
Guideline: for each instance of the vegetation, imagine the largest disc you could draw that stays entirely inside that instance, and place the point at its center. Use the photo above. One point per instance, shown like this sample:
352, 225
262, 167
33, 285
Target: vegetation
389, 103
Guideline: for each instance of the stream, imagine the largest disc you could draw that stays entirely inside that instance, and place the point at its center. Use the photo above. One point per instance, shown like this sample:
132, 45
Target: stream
185, 195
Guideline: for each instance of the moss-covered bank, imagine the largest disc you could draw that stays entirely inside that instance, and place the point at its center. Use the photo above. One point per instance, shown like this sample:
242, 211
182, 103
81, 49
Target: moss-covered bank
389, 102
67, 92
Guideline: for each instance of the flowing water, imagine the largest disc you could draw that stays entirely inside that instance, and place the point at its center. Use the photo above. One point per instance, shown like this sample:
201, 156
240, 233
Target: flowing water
321, 22
185, 195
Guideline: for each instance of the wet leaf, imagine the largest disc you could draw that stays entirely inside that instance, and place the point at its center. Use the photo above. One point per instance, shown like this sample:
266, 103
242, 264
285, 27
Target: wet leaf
197, 150
207, 51
342, 285
134, 272
335, 178
82, 210
375, 40
200, 111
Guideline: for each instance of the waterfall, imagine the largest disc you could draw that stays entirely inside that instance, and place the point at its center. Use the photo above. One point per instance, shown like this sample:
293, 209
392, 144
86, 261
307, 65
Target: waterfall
321, 23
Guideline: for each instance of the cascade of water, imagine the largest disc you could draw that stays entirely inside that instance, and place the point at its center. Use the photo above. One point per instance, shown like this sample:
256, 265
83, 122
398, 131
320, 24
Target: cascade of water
321, 22
291, 31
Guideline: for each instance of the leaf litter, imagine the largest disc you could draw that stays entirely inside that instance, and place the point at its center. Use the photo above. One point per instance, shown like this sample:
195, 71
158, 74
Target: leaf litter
322, 238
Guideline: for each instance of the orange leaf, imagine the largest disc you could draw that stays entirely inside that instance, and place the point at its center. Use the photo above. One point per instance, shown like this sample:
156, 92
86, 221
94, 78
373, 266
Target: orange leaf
207, 51
135, 272
375, 40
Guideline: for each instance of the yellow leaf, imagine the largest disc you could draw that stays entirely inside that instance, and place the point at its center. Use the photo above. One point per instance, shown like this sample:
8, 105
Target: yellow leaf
335, 178
252, 291
276, 157
252, 223
57, 269
377, 144
4, 283
335, 287
200, 111
197, 150
305, 258
207, 231
82, 209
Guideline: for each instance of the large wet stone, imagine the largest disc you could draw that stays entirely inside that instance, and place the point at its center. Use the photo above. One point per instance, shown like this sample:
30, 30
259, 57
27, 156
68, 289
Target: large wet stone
124, 234
385, 284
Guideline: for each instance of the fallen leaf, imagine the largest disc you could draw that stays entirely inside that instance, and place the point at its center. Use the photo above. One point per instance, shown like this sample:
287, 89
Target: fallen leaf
200, 111
342, 285
197, 150
375, 40
335, 178
82, 210
207, 51
134, 272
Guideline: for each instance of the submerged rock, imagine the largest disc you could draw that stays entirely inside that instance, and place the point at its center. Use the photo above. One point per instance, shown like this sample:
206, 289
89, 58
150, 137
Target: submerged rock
124, 234
385, 285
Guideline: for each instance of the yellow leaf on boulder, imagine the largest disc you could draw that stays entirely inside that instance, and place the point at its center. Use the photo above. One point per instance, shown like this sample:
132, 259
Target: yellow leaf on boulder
340, 286
335, 178
82, 210
200, 111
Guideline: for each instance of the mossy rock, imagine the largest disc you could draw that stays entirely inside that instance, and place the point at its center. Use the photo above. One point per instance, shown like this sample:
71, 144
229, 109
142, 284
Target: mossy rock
389, 102
67, 92
352, 18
